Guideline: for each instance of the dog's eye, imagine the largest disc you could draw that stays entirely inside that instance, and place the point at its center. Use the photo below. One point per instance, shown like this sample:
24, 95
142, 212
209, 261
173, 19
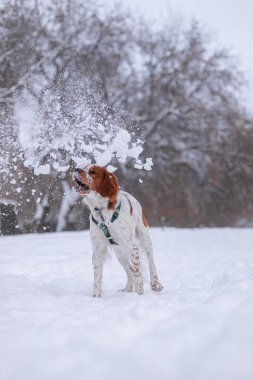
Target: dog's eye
91, 172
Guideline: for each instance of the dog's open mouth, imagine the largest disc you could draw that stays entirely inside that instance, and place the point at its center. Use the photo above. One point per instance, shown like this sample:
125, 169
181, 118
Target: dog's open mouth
81, 186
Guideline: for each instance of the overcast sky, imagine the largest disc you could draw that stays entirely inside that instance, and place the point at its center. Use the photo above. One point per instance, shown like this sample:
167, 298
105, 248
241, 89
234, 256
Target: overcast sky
230, 21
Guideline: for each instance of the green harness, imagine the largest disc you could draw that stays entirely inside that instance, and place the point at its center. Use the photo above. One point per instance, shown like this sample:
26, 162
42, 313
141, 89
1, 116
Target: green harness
104, 227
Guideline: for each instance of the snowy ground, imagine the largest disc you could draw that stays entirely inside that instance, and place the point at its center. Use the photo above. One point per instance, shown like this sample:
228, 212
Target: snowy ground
200, 327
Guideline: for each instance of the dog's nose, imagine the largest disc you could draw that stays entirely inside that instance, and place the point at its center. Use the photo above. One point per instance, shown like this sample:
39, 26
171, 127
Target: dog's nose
77, 170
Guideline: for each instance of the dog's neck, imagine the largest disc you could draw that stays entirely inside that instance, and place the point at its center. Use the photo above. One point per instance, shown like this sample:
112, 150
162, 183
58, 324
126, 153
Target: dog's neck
95, 201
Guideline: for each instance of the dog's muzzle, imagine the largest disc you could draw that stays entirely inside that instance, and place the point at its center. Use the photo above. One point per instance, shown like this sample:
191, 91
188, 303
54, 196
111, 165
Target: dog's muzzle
80, 186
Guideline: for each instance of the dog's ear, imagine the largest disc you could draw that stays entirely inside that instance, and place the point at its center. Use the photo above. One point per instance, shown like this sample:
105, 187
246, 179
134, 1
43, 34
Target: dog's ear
109, 188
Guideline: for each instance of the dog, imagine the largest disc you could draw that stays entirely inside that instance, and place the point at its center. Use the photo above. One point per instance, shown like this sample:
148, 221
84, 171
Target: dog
117, 221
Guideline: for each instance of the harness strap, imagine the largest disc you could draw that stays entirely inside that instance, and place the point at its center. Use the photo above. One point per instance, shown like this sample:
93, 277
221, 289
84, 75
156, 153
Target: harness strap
104, 227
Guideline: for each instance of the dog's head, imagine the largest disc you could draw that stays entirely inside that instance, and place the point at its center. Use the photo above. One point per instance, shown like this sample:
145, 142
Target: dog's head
97, 179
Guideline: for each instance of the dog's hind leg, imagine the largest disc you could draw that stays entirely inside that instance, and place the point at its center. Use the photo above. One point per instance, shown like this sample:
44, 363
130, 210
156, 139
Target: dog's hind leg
136, 269
126, 266
146, 245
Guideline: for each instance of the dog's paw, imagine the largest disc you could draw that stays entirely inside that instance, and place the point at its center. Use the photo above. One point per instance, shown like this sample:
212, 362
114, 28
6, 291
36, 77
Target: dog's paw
156, 286
96, 294
128, 288
139, 288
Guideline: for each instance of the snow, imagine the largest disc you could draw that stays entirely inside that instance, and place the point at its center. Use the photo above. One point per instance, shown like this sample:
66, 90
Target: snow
146, 165
138, 166
55, 141
199, 327
59, 168
120, 147
7, 201
42, 169
111, 168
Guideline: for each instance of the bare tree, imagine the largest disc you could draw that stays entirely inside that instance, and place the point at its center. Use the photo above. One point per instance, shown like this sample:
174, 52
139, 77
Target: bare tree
168, 87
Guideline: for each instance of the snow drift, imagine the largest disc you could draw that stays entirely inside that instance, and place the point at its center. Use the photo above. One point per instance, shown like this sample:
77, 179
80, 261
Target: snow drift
199, 327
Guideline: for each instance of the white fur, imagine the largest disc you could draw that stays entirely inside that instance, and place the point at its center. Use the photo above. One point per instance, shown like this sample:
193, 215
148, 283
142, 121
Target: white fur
131, 235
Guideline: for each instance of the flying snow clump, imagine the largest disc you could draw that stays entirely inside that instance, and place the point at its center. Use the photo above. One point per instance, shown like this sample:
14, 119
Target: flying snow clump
51, 138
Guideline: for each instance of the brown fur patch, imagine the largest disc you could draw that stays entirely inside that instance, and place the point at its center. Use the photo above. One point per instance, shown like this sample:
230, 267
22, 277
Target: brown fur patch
145, 222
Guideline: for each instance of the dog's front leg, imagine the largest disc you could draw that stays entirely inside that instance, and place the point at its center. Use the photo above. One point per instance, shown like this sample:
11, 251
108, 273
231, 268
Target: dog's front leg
98, 262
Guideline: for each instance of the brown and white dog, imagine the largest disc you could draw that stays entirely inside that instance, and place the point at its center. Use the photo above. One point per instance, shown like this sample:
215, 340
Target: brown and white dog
126, 230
